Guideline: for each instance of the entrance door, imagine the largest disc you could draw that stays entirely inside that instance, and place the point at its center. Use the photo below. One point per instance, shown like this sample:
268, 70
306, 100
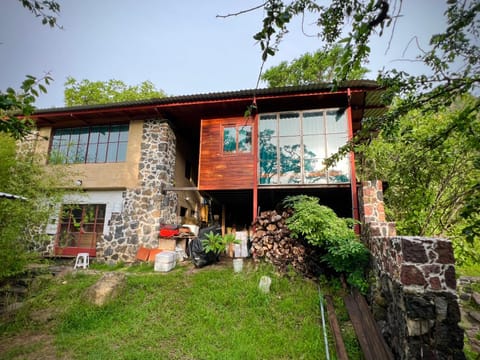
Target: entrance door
79, 228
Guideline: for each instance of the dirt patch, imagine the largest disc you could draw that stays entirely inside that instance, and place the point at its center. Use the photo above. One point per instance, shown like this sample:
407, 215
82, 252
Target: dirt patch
29, 345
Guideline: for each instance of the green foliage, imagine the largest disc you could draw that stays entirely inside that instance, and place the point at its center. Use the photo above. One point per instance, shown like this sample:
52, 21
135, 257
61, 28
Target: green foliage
451, 57
17, 106
320, 226
217, 243
22, 221
47, 10
431, 163
309, 69
86, 92
213, 243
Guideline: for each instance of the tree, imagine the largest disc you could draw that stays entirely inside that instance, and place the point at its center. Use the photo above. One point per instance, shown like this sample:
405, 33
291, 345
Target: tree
433, 179
309, 69
88, 92
47, 10
22, 221
452, 56
16, 106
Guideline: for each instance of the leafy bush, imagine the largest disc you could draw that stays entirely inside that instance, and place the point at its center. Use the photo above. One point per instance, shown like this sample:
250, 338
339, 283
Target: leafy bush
320, 226
217, 243
22, 222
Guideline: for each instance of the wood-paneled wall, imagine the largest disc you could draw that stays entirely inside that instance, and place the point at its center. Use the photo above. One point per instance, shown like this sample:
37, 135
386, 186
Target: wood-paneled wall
218, 170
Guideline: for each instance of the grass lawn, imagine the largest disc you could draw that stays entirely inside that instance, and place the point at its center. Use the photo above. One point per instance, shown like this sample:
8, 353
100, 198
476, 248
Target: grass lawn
188, 313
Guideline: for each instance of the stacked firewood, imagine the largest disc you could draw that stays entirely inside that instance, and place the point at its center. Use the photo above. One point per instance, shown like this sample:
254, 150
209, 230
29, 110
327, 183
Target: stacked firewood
271, 241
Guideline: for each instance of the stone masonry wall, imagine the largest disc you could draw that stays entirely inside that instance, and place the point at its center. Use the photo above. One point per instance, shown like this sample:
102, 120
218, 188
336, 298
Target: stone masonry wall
414, 300
144, 207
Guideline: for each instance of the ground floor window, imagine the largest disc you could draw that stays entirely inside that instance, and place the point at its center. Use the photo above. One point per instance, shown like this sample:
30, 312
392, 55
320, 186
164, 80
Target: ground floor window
80, 225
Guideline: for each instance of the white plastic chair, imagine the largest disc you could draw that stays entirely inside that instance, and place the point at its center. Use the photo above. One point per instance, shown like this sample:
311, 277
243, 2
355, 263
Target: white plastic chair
82, 260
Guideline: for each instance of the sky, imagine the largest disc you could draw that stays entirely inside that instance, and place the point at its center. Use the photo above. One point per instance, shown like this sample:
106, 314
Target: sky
179, 45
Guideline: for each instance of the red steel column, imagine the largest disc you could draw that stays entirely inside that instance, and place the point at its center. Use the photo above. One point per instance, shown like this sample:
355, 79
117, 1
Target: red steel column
353, 178
255, 162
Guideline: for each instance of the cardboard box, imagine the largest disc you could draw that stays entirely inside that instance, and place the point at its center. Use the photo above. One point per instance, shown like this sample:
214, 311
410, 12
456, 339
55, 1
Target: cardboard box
171, 244
167, 244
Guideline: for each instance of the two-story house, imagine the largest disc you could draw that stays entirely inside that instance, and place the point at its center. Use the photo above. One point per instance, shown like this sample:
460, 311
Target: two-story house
151, 162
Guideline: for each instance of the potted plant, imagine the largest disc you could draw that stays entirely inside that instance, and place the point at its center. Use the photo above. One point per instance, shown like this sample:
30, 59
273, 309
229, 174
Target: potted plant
217, 244
213, 243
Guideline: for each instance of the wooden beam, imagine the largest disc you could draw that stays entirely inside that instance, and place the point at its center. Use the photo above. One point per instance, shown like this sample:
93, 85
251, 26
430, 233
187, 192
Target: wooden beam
337, 334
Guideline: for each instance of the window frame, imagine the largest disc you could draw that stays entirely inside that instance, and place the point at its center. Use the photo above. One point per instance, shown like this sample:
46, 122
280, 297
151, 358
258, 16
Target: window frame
238, 141
322, 133
75, 145
75, 225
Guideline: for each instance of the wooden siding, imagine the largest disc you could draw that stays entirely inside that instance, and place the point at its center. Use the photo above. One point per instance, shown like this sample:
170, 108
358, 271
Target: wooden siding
218, 170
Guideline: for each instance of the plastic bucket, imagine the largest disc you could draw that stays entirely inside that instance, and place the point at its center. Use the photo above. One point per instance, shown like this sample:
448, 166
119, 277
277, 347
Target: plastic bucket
237, 265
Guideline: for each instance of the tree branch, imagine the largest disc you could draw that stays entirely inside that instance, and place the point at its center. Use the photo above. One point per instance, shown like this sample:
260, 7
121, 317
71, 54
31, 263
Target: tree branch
242, 12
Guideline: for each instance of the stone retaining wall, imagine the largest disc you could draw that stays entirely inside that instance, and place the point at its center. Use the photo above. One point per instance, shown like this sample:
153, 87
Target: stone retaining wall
144, 207
414, 300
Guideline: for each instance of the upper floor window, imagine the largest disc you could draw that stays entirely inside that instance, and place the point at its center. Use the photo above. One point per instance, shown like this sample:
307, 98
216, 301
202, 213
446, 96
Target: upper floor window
93, 144
293, 146
237, 139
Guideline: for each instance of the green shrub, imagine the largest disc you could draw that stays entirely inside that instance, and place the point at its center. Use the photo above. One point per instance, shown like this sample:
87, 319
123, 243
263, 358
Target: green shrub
217, 243
321, 227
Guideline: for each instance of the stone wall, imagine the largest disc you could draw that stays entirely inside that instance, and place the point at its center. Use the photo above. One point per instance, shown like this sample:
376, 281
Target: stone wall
414, 299
144, 207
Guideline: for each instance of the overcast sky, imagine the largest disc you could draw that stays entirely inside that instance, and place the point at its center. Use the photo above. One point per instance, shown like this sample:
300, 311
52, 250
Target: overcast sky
179, 45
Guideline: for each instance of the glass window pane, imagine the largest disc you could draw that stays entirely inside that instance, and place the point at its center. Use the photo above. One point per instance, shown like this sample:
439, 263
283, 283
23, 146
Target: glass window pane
102, 134
289, 124
245, 139
112, 152
101, 153
315, 171
81, 153
334, 142
268, 172
340, 172
92, 153
122, 152
336, 121
313, 123
83, 135
114, 133
268, 150
123, 129
93, 136
268, 122
314, 146
290, 160
229, 139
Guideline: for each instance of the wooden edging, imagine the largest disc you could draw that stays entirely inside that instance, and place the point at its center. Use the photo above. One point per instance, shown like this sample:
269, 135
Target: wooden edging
337, 335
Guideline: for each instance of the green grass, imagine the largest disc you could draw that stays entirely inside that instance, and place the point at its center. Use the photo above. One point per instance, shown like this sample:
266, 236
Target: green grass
212, 313
468, 270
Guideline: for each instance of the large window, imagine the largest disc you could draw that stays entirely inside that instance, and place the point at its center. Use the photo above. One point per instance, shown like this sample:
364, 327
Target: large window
237, 139
293, 146
94, 144
81, 225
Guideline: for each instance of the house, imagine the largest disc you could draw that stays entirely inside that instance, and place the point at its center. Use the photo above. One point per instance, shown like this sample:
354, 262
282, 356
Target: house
199, 157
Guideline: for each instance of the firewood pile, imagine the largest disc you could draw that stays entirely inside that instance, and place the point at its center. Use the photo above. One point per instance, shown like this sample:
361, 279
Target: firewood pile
271, 241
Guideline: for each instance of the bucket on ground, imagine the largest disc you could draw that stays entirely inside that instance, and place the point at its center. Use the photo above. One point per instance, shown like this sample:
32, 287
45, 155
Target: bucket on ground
237, 265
